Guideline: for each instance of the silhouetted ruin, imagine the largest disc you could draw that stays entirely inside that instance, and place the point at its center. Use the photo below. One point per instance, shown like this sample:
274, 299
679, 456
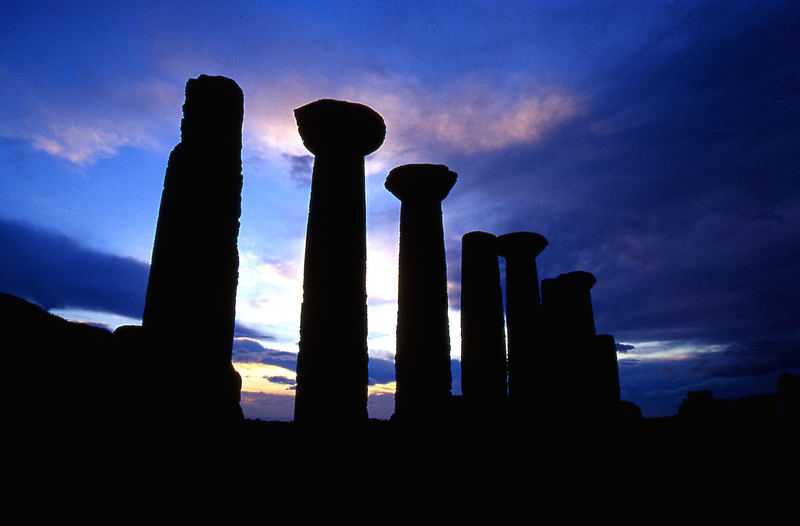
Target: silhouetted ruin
422, 360
176, 368
54, 369
484, 384
527, 366
332, 374
191, 293
584, 364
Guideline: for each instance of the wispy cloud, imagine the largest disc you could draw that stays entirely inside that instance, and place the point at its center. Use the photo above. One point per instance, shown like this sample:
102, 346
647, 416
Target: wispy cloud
80, 139
423, 122
466, 116
96, 123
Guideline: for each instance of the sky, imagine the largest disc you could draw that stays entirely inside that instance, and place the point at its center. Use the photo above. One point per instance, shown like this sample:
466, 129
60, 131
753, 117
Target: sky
654, 144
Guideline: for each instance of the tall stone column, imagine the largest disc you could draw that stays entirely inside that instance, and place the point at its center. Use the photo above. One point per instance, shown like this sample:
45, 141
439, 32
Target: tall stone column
523, 315
332, 372
483, 347
191, 293
422, 360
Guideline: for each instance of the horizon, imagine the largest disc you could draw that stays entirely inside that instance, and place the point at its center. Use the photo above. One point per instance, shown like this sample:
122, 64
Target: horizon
654, 146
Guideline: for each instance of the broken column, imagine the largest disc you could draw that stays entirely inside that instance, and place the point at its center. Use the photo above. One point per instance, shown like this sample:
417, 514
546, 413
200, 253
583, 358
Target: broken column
523, 315
585, 362
568, 300
483, 348
422, 360
332, 361
191, 293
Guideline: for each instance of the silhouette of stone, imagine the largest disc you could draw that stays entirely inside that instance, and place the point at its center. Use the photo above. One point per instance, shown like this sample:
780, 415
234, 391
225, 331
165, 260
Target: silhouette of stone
584, 367
600, 376
483, 349
422, 360
332, 372
137, 396
191, 293
523, 318
628, 413
757, 409
55, 370
569, 303
789, 393
700, 407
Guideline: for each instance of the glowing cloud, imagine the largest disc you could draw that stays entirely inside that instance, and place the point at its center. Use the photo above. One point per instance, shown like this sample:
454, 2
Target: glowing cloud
269, 297
265, 378
95, 126
422, 121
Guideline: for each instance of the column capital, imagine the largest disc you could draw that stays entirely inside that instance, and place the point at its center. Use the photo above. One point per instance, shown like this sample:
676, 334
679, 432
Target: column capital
329, 126
521, 244
420, 181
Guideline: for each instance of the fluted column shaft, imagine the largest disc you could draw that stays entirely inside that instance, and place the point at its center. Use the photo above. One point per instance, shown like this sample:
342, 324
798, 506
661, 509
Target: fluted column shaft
332, 374
483, 349
422, 360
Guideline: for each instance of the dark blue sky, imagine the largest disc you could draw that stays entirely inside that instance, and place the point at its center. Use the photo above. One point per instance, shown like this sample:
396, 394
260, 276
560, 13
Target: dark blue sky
655, 144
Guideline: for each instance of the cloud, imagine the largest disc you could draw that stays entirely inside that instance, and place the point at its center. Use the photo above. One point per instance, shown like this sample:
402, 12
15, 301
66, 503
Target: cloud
246, 350
380, 405
300, 167
624, 348
55, 271
243, 331
470, 115
97, 122
674, 186
281, 380
657, 375
269, 295
754, 358
381, 371
658, 388
268, 379
265, 406
59, 274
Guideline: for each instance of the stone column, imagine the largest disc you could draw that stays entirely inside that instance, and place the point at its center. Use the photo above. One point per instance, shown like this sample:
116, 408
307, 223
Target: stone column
191, 293
483, 347
422, 360
603, 372
586, 363
568, 300
523, 314
332, 372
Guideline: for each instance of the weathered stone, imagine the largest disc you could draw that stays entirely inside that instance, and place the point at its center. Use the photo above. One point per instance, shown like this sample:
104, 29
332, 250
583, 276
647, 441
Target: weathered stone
584, 377
422, 360
523, 317
332, 374
191, 294
483, 349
